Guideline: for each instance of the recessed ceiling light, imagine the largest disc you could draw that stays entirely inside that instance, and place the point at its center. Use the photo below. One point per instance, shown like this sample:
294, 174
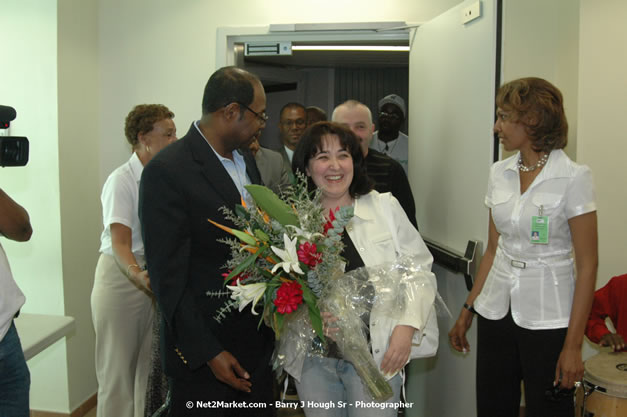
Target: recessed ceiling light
382, 48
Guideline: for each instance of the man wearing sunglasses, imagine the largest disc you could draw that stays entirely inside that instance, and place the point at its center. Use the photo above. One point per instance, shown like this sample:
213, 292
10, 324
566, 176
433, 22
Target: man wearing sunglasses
389, 139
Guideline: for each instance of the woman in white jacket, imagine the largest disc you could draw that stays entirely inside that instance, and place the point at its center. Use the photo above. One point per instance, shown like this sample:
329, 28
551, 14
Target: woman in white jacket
379, 232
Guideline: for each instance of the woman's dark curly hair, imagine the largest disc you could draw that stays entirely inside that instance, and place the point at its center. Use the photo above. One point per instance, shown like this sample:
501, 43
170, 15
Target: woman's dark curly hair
311, 143
538, 105
142, 119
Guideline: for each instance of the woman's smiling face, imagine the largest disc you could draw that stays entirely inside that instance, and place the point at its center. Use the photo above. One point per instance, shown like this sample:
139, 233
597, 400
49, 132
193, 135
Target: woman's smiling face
331, 169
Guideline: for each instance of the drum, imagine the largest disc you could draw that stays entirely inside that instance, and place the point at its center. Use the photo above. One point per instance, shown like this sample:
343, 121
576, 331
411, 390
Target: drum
603, 392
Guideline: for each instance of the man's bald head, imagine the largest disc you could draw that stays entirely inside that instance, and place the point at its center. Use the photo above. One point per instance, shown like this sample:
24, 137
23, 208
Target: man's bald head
358, 118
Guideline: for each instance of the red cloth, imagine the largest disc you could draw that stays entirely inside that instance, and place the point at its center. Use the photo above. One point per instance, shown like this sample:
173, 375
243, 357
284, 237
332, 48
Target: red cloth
609, 301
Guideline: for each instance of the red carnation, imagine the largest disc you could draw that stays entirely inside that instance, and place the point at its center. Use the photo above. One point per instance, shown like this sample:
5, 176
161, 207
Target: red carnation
308, 254
329, 224
288, 297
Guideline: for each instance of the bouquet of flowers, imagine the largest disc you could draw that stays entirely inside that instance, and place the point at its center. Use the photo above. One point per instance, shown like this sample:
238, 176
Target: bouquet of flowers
284, 255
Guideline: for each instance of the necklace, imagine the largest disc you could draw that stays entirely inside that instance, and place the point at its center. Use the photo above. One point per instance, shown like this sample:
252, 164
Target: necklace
539, 164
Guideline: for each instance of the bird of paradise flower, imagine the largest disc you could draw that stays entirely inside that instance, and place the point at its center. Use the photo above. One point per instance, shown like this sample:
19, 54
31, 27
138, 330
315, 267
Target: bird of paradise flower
283, 288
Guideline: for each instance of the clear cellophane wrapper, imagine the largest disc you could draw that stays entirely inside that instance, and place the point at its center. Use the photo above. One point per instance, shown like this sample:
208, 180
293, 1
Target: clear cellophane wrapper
390, 289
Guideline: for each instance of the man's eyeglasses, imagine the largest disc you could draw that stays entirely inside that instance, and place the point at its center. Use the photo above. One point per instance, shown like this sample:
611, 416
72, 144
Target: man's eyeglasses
261, 116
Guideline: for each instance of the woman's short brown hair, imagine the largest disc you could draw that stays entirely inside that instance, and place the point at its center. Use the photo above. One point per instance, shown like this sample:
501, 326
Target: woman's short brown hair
142, 119
539, 106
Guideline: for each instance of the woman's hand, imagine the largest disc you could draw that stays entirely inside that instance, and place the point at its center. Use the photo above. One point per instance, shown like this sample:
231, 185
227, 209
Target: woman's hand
144, 280
139, 277
399, 349
457, 335
327, 321
569, 367
121, 242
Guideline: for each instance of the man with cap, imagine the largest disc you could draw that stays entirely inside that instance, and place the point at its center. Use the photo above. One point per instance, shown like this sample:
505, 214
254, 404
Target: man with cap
389, 139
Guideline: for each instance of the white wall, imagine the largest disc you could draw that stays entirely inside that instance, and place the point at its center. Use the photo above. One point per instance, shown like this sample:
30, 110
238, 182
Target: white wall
81, 218
540, 39
50, 77
602, 142
28, 75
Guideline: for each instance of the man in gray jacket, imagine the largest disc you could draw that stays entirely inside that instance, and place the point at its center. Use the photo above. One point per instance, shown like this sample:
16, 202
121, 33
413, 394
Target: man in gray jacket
275, 171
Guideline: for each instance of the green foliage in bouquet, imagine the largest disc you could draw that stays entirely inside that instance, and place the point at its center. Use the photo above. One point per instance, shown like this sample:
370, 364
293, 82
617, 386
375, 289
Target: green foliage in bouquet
284, 251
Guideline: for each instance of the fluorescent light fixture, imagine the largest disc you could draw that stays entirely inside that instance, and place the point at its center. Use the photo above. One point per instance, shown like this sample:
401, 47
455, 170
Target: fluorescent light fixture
381, 48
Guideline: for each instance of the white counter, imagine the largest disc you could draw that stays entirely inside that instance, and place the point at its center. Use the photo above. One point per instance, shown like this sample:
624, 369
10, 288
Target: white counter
38, 331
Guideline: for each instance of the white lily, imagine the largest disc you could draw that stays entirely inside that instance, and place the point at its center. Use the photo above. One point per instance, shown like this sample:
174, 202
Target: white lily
307, 235
288, 256
247, 293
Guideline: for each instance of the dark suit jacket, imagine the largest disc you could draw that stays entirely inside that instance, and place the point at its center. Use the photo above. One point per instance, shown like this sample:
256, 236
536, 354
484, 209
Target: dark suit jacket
181, 188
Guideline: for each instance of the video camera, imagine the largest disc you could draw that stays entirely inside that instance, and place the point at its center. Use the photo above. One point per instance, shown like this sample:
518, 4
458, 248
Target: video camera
13, 149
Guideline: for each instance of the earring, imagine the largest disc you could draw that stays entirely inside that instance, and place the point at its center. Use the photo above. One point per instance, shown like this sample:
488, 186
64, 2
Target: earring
148, 149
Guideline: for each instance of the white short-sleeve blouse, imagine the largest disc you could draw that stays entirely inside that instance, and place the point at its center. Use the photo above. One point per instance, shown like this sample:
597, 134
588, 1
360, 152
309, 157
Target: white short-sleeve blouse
536, 280
120, 198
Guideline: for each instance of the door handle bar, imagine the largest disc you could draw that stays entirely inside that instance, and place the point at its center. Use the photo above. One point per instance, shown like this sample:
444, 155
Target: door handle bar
454, 261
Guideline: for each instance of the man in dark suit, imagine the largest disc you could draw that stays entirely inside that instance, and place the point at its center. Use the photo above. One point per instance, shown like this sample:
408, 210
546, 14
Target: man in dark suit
214, 362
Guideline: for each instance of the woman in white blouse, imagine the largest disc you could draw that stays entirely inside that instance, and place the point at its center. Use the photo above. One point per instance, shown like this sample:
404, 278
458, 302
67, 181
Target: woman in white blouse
379, 232
532, 312
121, 299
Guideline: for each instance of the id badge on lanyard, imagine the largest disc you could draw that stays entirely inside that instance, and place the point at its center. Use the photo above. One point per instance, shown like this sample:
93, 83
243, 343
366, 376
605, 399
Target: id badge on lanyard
540, 228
